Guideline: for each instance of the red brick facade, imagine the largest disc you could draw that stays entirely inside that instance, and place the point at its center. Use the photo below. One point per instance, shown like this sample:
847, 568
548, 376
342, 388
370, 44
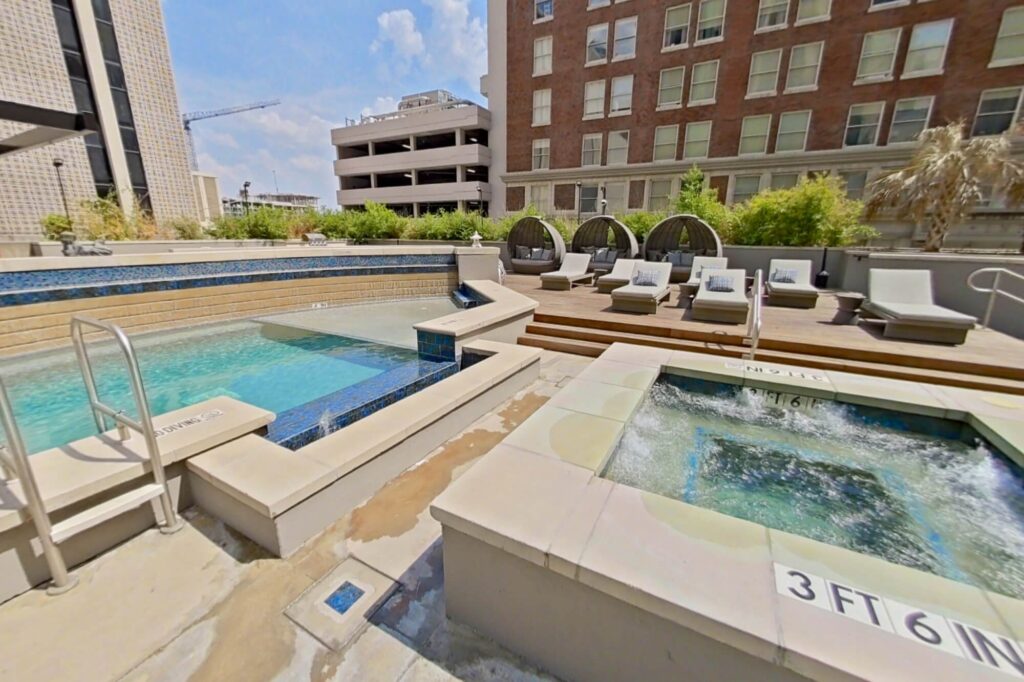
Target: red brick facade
966, 74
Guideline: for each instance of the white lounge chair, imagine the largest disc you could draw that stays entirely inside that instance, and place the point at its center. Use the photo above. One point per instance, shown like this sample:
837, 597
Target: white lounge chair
573, 271
904, 299
620, 276
789, 284
727, 304
648, 288
700, 263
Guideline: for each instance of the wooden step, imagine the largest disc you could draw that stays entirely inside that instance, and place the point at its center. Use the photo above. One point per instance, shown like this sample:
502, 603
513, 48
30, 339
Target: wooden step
592, 342
653, 329
93, 516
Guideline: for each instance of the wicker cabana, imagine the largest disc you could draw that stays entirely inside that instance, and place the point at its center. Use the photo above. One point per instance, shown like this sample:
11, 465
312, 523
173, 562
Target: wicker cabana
534, 246
678, 239
606, 240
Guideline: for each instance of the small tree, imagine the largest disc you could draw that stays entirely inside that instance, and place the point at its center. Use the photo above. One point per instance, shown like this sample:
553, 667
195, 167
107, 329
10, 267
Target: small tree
944, 180
55, 224
696, 199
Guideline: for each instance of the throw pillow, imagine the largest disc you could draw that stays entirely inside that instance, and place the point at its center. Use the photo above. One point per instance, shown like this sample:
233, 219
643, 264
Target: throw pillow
645, 278
685, 259
720, 283
601, 254
536, 254
783, 277
549, 254
612, 256
522, 252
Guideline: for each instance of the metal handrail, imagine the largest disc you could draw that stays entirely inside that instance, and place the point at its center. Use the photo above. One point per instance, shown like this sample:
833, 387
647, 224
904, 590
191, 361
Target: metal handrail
995, 291
755, 322
101, 411
16, 457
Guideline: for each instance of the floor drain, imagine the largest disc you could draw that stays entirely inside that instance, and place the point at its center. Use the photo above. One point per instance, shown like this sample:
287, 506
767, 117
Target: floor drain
342, 599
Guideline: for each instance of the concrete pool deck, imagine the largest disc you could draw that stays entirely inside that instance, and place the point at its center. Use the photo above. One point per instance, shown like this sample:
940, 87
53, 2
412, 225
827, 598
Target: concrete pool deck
601, 581
208, 604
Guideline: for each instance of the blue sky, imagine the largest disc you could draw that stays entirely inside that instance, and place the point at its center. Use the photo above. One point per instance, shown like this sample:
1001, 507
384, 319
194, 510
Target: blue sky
326, 60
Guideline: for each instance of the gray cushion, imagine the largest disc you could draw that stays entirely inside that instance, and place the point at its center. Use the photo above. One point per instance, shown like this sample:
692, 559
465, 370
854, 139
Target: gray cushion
589, 249
549, 254
537, 254
655, 255
719, 283
784, 276
522, 252
645, 278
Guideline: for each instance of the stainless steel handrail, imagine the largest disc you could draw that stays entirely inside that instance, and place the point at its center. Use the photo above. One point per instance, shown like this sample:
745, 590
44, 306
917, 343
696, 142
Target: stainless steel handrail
995, 291
17, 459
755, 322
100, 411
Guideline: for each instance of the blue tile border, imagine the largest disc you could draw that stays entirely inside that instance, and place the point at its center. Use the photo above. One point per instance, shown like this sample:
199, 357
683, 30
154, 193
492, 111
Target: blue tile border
301, 425
435, 346
40, 286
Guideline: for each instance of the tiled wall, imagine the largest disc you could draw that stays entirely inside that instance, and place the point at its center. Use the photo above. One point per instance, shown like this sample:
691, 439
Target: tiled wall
25, 328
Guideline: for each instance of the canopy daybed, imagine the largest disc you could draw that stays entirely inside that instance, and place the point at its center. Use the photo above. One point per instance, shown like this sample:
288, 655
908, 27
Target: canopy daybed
677, 240
606, 240
534, 246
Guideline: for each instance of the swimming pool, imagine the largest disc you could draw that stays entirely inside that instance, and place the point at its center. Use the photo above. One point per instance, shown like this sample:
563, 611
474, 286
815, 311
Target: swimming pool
313, 381
921, 492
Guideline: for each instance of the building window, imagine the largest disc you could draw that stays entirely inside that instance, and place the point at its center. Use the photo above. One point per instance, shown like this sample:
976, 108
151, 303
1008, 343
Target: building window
594, 4
622, 95
588, 198
698, 140
540, 197
618, 147
1009, 49
543, 9
863, 124
804, 66
625, 38
541, 107
541, 154
784, 180
615, 194
597, 44
711, 20
793, 127
764, 73
927, 52
542, 50
659, 196
593, 99
812, 10
878, 55
592, 150
666, 138
772, 14
997, 111
754, 134
909, 119
677, 26
704, 83
745, 187
882, 4
855, 182
670, 88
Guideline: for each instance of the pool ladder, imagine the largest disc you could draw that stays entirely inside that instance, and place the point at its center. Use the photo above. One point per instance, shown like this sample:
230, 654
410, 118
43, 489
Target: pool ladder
15, 461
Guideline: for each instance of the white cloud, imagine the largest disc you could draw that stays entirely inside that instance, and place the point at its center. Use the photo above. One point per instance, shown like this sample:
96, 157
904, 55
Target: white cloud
398, 28
381, 105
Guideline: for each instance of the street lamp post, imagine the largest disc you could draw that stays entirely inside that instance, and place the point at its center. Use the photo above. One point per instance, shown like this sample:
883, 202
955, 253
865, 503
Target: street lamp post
604, 201
57, 163
579, 201
245, 196
480, 198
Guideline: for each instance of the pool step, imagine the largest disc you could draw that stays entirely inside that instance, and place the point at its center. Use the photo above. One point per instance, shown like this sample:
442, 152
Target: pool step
591, 342
94, 516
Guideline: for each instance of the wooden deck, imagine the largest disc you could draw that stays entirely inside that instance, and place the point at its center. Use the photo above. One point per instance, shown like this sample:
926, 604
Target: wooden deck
812, 331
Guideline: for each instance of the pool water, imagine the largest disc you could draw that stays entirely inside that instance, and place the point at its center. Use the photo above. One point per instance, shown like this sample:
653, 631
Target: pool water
272, 366
925, 493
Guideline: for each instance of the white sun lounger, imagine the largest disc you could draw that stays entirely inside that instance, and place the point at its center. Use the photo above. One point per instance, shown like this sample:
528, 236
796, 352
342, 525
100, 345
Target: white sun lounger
730, 307
799, 293
620, 276
700, 263
637, 298
573, 271
904, 299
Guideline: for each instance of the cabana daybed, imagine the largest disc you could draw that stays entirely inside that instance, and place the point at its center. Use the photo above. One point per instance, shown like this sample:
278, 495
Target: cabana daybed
592, 237
534, 246
677, 240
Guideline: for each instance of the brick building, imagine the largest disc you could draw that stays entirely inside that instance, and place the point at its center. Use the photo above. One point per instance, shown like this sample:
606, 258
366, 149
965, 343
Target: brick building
109, 58
614, 99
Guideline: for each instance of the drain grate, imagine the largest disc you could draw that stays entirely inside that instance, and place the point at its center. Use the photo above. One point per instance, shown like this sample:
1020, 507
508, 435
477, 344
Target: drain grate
342, 599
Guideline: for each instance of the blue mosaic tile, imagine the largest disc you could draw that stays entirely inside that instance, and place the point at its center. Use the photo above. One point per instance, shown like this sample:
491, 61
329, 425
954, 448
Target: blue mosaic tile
435, 346
302, 425
469, 359
20, 288
343, 598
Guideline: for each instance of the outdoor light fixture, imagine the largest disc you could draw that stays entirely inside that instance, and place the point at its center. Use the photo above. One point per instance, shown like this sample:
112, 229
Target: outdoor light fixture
245, 196
476, 239
57, 163
579, 201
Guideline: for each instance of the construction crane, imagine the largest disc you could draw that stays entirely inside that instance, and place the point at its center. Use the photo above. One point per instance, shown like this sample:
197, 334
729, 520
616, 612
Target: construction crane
188, 119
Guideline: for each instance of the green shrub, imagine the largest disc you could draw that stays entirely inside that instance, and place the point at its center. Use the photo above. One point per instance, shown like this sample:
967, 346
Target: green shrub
54, 224
103, 218
449, 226
695, 199
186, 228
641, 222
228, 227
374, 221
333, 224
814, 213
265, 222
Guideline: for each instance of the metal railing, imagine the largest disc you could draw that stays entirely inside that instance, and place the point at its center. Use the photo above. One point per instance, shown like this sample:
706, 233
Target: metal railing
15, 459
124, 423
995, 291
754, 322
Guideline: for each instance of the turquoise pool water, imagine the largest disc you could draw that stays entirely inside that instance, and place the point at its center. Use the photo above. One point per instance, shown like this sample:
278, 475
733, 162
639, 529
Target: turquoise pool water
924, 493
272, 366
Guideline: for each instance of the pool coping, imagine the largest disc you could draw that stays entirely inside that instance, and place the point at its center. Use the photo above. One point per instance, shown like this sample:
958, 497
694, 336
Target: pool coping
709, 572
